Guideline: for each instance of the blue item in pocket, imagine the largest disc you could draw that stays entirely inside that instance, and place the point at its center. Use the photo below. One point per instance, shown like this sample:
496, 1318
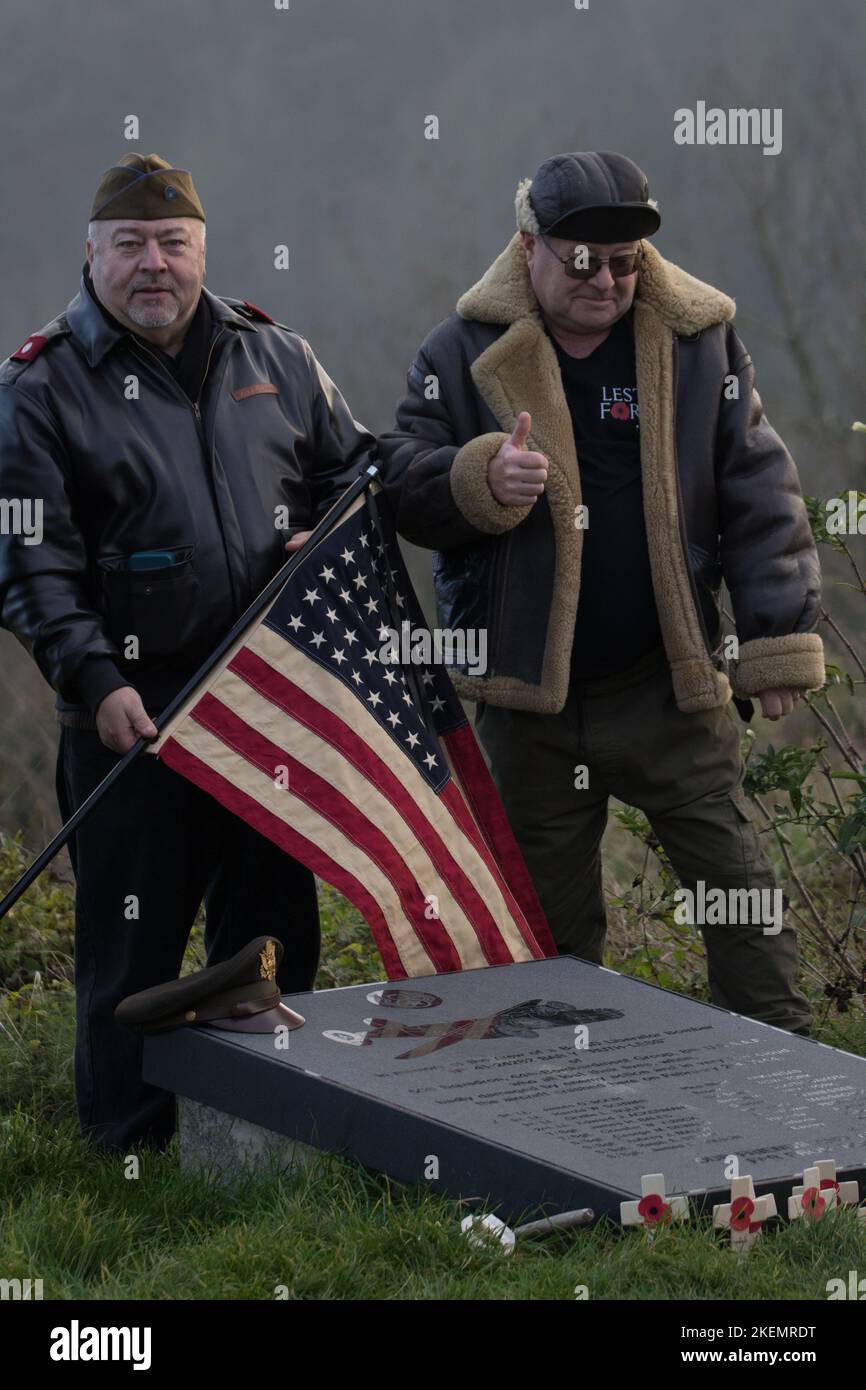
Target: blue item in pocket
156, 559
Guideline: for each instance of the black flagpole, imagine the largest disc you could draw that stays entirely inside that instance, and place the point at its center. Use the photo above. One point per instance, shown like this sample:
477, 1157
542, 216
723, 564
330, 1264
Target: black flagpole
271, 589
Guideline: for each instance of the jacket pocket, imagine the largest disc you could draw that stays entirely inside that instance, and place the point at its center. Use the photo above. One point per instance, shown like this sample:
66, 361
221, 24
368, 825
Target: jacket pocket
156, 606
705, 566
754, 862
741, 803
462, 587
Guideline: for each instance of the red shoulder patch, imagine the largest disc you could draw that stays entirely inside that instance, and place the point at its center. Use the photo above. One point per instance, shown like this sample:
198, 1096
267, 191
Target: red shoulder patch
256, 312
30, 348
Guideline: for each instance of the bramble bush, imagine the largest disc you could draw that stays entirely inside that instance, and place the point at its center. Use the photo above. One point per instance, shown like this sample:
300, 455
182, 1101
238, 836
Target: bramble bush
809, 802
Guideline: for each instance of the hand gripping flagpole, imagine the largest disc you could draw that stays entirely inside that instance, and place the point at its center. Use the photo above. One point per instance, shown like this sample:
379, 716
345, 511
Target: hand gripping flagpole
270, 591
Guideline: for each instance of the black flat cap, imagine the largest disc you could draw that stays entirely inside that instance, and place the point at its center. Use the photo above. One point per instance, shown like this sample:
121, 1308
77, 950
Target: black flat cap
598, 195
240, 993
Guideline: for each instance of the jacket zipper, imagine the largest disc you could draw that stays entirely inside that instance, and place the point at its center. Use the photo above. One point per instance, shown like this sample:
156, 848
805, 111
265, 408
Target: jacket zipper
680, 518
500, 607
194, 405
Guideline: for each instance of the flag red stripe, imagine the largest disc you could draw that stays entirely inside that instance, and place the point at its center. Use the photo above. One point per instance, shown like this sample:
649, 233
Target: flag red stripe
452, 797
307, 786
289, 840
281, 691
468, 760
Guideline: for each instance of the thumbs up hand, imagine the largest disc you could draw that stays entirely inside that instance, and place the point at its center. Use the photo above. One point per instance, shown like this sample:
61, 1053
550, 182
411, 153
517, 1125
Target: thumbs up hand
516, 475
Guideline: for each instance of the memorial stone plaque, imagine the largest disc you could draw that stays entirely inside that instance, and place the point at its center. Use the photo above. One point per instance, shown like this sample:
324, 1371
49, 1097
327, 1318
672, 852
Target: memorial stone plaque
542, 1086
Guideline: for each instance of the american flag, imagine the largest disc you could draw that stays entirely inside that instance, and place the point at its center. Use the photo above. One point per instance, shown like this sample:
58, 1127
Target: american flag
363, 770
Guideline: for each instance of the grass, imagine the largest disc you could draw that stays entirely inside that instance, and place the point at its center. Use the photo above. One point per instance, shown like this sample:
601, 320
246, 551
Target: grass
88, 1231
76, 1219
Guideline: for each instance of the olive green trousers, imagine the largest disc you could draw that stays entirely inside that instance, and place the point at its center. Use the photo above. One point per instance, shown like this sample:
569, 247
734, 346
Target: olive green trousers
684, 771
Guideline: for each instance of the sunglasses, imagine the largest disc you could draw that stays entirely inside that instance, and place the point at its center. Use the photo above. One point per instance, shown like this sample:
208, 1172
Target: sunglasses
581, 265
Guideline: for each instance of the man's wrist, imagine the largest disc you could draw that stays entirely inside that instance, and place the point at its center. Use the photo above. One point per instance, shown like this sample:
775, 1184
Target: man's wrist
97, 678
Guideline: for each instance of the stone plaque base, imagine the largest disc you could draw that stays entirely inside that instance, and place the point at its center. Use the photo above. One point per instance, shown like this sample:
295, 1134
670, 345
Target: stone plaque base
231, 1148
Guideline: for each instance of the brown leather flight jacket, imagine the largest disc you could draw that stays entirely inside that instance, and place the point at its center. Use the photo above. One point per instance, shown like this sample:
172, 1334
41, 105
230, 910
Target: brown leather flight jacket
119, 473
721, 494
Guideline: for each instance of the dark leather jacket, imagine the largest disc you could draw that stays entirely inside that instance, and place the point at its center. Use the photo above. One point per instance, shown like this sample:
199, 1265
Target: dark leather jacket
95, 426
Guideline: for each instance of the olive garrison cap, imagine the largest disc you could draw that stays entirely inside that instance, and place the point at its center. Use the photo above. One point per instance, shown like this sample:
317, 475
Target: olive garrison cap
145, 187
241, 993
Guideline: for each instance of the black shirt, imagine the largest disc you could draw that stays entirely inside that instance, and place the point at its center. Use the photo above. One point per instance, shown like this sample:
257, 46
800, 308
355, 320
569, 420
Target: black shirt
190, 364
617, 622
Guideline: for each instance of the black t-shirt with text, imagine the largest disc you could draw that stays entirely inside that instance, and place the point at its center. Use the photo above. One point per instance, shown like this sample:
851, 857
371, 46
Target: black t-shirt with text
617, 622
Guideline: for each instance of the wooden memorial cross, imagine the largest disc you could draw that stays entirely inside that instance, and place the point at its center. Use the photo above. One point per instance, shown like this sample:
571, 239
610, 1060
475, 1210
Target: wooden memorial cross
654, 1208
744, 1215
821, 1190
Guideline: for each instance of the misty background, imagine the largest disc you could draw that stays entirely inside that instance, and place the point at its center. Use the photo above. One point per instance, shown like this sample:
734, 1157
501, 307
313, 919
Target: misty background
306, 127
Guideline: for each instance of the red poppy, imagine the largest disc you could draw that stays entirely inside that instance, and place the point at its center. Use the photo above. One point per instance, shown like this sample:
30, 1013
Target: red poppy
829, 1182
812, 1202
654, 1209
619, 411
742, 1209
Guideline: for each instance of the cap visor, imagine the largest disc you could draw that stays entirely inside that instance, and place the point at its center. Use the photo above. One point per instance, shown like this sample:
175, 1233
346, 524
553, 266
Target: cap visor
608, 223
280, 1016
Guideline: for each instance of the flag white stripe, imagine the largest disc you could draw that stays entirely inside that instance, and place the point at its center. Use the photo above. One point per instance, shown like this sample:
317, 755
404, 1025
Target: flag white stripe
239, 773
327, 690
329, 763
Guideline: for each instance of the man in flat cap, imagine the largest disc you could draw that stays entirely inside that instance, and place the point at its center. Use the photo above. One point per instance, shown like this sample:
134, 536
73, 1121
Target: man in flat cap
583, 446
175, 440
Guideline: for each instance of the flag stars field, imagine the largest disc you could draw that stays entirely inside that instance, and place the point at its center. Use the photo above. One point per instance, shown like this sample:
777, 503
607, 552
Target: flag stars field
383, 797
345, 594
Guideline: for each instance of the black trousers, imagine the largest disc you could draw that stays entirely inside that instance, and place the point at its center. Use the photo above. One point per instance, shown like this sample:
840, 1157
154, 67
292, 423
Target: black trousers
144, 860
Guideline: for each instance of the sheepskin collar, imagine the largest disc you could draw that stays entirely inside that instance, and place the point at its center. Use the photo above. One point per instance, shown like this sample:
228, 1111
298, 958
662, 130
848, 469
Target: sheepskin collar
686, 305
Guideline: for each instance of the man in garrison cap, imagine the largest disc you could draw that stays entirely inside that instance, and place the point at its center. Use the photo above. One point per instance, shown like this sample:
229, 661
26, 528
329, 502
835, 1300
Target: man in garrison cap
583, 445
167, 432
